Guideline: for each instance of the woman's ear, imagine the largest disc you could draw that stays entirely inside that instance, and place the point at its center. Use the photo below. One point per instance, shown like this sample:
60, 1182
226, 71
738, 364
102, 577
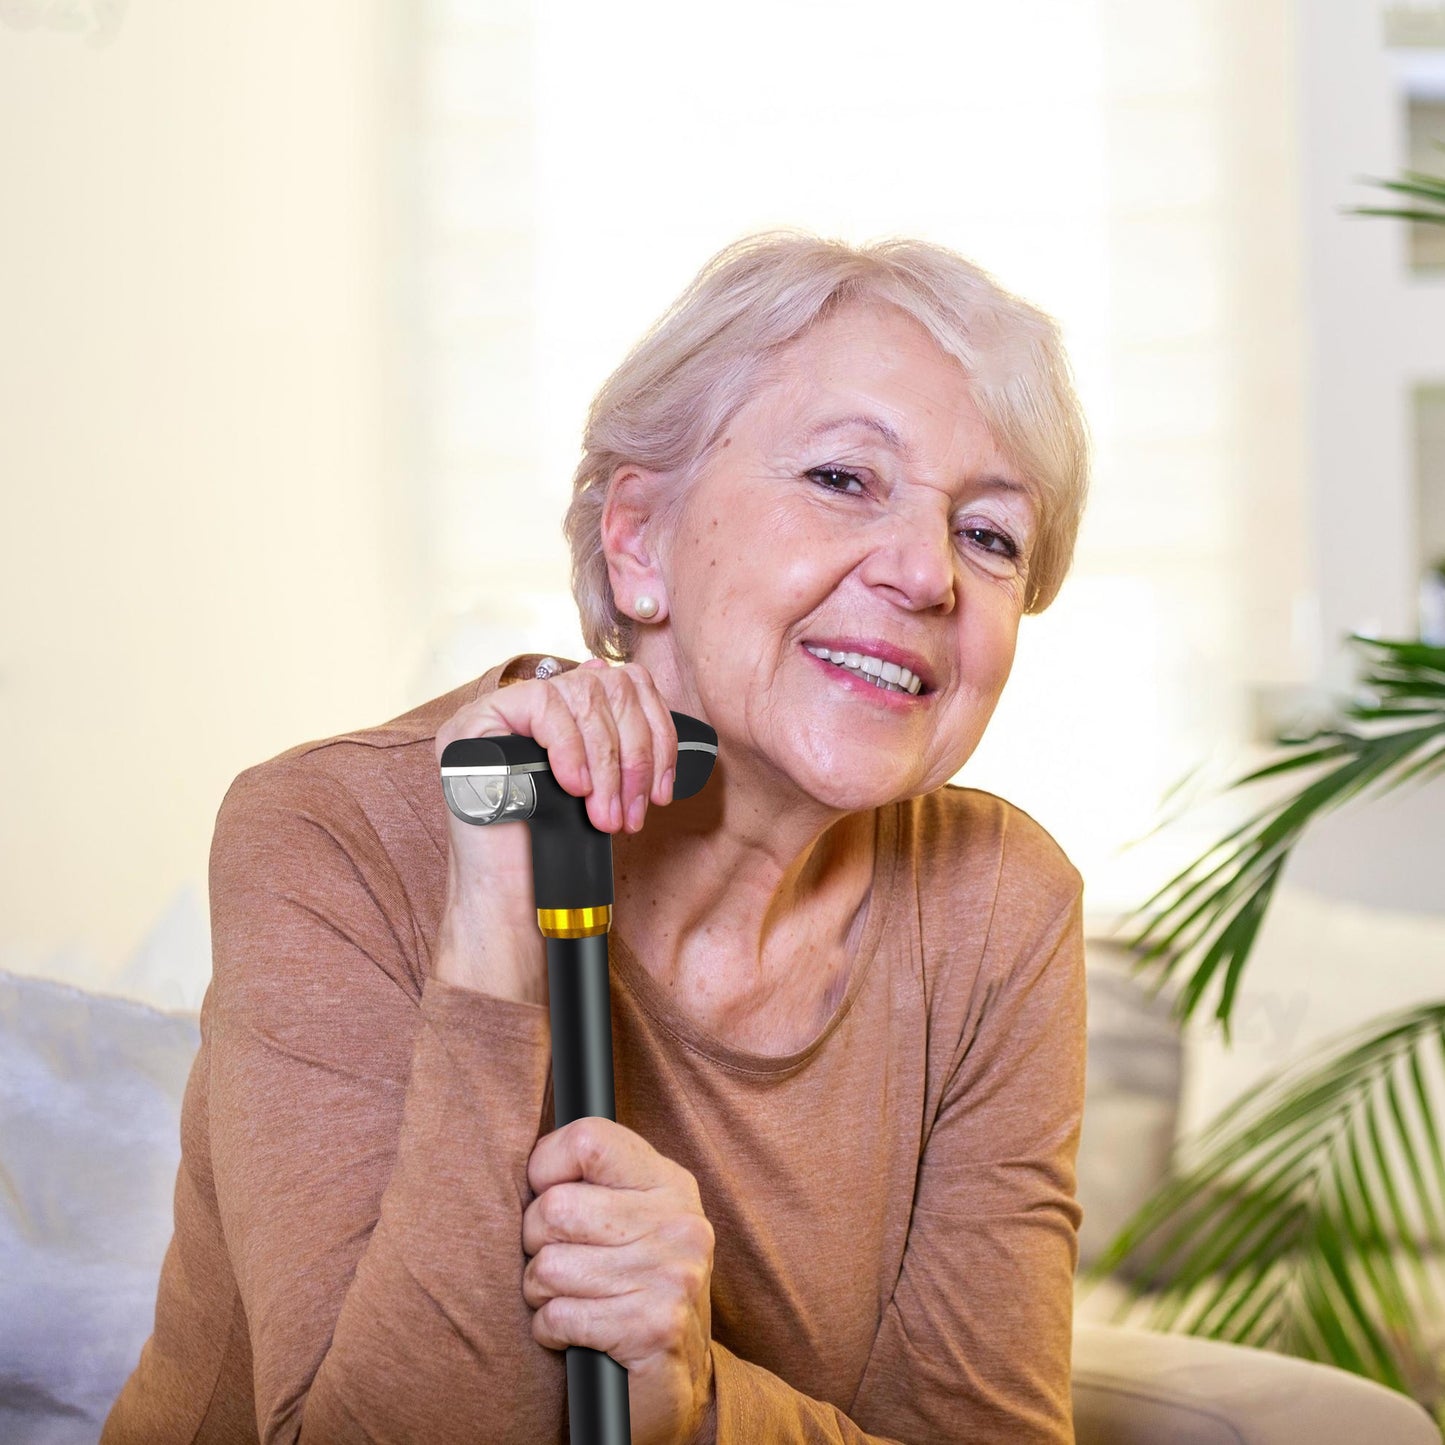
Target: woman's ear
631, 534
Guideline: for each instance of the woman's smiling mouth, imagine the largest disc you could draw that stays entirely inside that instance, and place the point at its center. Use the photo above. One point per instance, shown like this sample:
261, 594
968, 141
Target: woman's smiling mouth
863, 672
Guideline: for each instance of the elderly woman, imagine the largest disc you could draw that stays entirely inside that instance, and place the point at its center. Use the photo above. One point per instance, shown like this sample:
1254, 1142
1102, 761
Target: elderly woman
848, 995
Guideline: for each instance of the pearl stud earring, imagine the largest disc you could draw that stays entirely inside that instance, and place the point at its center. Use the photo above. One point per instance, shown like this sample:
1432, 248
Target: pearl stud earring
646, 606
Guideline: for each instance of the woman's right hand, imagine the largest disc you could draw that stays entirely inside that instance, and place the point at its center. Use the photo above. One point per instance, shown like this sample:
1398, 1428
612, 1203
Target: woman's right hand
609, 737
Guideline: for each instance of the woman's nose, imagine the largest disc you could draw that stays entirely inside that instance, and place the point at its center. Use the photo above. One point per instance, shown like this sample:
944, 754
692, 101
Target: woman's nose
914, 556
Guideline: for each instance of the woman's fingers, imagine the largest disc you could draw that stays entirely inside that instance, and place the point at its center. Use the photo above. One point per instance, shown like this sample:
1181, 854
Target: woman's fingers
634, 730
530, 709
653, 740
598, 1151
587, 701
621, 1261
664, 737
580, 1213
619, 731
578, 1270
606, 729
608, 1321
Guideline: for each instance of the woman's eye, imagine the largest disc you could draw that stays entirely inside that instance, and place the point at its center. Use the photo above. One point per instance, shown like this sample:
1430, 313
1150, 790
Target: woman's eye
1008, 549
834, 479
840, 479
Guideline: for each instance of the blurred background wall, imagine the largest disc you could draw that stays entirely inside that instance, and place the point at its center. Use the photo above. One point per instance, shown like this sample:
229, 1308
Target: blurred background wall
301, 308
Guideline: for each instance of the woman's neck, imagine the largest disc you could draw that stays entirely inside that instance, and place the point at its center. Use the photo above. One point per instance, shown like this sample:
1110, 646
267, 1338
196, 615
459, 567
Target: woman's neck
697, 899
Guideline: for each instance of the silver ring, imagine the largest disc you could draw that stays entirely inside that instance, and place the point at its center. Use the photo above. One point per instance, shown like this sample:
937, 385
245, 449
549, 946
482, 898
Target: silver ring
548, 667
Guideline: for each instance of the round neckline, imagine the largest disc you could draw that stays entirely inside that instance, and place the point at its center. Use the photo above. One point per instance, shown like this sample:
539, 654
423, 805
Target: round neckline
658, 1004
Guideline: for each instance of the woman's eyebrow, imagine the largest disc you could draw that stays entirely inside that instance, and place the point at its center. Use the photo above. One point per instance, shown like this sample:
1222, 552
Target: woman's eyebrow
869, 423
991, 483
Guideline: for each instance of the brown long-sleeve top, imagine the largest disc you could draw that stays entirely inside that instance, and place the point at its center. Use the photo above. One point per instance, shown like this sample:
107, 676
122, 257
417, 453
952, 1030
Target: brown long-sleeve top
894, 1208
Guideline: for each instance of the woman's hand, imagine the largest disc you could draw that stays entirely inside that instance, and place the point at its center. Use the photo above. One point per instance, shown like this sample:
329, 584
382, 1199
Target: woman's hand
622, 1262
610, 738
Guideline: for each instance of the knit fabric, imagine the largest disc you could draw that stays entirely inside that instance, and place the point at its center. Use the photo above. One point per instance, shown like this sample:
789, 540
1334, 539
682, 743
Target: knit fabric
894, 1204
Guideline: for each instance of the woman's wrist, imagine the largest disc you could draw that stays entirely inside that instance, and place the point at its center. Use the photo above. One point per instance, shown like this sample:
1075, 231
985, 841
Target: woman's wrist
706, 1431
498, 962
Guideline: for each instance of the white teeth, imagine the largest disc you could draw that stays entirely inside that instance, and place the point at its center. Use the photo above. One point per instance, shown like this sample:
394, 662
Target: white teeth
888, 675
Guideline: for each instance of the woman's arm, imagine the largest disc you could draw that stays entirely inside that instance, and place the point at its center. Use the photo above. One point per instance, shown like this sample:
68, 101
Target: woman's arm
369, 1146
976, 1343
974, 1348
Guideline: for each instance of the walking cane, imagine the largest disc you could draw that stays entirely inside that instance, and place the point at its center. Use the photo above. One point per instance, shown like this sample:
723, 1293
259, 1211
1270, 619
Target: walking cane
508, 779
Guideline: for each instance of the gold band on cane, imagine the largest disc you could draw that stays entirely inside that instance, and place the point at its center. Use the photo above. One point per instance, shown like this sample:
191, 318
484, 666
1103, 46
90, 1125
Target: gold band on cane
574, 922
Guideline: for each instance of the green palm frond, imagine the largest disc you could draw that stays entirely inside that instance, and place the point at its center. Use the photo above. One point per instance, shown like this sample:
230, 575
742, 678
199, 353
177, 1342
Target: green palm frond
1209, 915
1416, 184
1309, 1217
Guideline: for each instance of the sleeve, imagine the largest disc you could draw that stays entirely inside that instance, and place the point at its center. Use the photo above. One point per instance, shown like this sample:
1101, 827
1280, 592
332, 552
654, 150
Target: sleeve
369, 1145
975, 1346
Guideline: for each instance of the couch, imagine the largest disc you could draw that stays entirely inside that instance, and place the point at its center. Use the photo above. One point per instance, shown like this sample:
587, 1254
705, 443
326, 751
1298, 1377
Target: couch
90, 1090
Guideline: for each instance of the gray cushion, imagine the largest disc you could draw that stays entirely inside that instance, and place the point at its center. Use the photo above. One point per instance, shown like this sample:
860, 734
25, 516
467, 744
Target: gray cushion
1131, 1104
90, 1094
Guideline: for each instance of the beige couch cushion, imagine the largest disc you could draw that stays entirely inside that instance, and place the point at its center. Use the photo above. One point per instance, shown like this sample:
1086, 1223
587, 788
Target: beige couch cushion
1140, 1387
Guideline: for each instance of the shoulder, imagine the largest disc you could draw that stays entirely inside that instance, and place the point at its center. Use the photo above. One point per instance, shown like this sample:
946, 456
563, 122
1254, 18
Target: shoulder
966, 831
995, 889
1001, 915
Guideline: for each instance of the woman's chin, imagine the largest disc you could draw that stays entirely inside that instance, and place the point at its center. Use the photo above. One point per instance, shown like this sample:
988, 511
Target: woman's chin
861, 791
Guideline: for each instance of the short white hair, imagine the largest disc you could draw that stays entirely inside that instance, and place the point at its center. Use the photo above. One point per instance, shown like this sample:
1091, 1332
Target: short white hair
669, 402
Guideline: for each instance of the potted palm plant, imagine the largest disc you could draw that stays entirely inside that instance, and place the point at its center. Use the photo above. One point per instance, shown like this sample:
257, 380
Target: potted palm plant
1309, 1216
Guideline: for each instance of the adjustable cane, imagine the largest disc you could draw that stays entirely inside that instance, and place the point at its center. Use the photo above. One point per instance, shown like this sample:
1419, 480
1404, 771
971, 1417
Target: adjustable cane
508, 779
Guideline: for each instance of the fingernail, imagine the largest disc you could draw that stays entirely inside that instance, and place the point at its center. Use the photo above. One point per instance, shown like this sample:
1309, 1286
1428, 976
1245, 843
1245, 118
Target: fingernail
667, 785
617, 812
634, 813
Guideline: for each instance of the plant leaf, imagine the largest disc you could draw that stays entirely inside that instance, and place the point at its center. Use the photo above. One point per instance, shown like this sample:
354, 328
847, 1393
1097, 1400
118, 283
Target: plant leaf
1287, 1222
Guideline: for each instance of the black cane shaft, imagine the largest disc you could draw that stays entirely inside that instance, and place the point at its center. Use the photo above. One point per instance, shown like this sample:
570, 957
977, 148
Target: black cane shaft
582, 1087
581, 1006
597, 1411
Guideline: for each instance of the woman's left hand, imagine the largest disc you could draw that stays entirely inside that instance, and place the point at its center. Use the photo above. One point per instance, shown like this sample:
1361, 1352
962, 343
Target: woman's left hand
621, 1261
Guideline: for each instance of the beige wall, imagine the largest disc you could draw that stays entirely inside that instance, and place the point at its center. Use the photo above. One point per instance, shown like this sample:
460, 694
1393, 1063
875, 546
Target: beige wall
204, 556
300, 308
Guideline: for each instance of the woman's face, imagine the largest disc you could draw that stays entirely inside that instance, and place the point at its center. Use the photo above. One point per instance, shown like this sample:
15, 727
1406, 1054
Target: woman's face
857, 504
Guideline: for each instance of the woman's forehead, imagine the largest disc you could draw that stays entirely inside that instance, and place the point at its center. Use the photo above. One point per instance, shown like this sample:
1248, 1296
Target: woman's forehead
910, 422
